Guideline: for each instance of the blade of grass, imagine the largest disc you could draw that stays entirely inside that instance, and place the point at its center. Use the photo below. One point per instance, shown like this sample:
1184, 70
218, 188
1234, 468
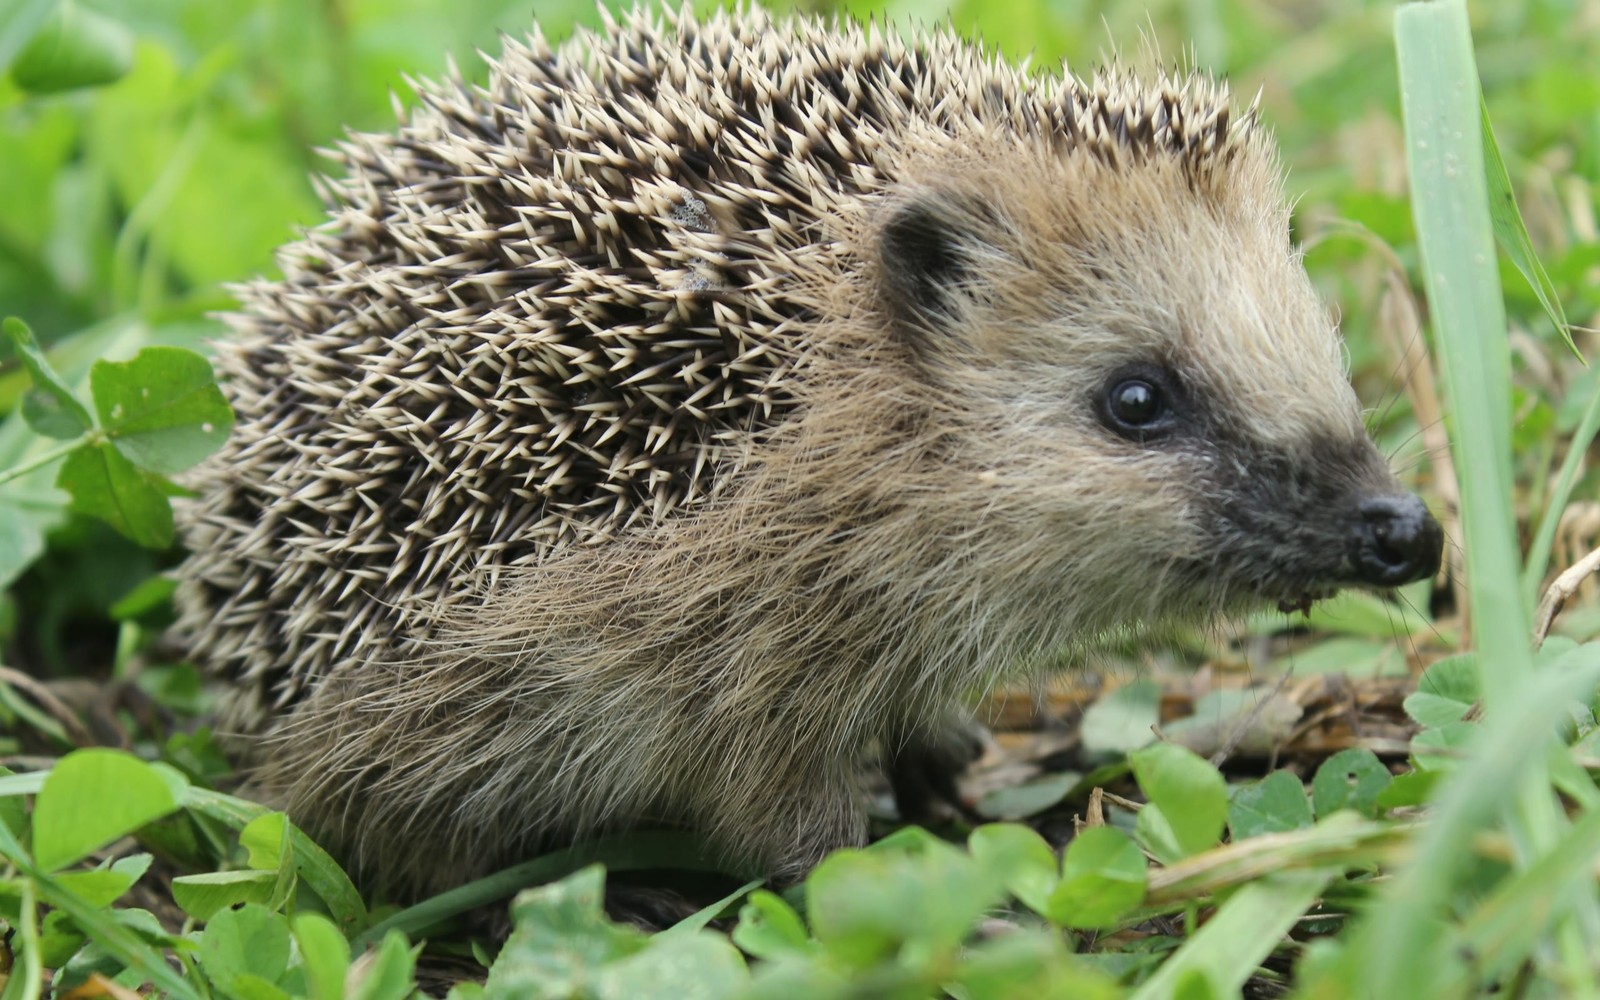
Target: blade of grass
22, 784
1390, 952
1513, 234
115, 938
26, 974
1550, 519
1506, 926
701, 918
317, 867
1450, 199
633, 852
1241, 934
1341, 840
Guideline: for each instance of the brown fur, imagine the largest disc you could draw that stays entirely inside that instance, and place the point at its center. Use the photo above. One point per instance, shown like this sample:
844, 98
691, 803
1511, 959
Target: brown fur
896, 511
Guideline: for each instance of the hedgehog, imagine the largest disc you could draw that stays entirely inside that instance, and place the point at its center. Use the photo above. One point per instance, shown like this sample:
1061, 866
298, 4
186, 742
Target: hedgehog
694, 411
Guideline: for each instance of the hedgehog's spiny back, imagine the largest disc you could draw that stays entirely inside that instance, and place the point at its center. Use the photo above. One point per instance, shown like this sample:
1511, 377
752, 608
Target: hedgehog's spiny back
558, 307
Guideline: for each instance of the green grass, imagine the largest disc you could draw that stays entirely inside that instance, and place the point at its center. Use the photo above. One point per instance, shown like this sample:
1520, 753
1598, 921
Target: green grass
164, 150
1439, 83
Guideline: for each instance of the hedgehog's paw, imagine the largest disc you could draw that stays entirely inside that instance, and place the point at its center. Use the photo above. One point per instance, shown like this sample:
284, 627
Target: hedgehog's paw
924, 769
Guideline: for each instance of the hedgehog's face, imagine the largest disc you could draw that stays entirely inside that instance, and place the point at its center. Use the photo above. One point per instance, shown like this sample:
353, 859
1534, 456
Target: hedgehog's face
1154, 392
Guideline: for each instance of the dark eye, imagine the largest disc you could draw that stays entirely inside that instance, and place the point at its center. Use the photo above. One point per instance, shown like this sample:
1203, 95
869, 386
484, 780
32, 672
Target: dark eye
1138, 403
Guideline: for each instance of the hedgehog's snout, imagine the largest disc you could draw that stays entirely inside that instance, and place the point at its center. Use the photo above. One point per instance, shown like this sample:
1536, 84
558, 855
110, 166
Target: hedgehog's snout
1395, 541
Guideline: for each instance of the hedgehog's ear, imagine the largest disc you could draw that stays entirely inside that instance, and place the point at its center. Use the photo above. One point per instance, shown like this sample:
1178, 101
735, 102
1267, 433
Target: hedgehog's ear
929, 249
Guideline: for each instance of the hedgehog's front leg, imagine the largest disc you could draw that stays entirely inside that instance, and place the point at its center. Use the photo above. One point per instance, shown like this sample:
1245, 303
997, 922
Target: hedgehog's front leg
923, 770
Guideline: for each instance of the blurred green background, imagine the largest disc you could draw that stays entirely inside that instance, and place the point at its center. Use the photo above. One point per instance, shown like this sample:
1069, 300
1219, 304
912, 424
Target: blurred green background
126, 208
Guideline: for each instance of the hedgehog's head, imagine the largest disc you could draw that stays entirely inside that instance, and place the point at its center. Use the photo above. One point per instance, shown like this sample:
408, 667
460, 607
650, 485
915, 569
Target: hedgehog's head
1143, 376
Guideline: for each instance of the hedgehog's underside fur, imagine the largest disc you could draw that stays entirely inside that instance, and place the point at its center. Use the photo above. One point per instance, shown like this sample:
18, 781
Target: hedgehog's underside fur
660, 426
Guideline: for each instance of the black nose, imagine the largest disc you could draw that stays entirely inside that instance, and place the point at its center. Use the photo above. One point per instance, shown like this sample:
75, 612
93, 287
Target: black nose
1396, 541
